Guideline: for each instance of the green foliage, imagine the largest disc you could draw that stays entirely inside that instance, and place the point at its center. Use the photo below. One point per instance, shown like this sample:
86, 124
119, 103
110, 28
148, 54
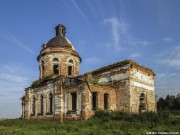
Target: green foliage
122, 63
94, 80
170, 102
46, 78
103, 123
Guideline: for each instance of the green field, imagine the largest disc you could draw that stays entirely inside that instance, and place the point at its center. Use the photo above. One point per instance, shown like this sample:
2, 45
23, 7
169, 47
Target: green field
104, 123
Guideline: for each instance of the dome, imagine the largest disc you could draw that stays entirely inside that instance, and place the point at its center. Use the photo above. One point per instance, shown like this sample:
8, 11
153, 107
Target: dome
59, 41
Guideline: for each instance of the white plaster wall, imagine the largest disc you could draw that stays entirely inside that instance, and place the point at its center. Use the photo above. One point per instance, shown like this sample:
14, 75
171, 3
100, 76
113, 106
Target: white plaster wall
141, 85
142, 77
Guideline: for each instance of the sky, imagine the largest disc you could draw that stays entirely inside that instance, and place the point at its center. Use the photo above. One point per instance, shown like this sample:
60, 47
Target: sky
101, 31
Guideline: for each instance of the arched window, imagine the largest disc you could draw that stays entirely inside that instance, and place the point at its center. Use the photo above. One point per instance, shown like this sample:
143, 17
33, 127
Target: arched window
142, 105
50, 103
56, 66
42, 68
33, 105
42, 106
106, 101
70, 67
70, 61
55, 59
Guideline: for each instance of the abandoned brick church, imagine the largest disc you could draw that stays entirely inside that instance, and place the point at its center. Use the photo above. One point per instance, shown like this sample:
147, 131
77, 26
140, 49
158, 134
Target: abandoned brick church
62, 94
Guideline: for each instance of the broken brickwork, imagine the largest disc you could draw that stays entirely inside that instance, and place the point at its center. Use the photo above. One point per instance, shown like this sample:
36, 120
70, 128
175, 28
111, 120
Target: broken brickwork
61, 94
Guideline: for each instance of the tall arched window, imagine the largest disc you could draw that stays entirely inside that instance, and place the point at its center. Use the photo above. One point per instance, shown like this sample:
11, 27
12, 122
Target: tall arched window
106, 101
142, 104
42, 106
42, 68
70, 67
33, 105
50, 103
56, 66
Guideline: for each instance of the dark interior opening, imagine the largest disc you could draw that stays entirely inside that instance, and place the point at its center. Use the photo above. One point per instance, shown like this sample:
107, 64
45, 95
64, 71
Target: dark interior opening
55, 69
42, 105
33, 106
106, 97
94, 100
142, 105
50, 103
69, 70
74, 102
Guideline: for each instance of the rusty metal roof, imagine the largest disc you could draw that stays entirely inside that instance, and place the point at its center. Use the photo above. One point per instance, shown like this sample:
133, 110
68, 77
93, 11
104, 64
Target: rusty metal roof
58, 41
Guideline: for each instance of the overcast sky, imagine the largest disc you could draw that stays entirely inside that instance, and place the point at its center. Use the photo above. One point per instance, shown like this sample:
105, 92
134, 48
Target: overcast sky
102, 31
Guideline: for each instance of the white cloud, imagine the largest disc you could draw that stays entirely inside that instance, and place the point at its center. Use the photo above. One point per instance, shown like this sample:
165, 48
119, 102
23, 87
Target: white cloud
78, 9
118, 27
143, 43
13, 79
17, 42
168, 39
135, 55
92, 60
170, 57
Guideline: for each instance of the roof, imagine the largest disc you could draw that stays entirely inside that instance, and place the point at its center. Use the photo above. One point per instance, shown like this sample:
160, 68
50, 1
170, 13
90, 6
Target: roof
122, 63
59, 41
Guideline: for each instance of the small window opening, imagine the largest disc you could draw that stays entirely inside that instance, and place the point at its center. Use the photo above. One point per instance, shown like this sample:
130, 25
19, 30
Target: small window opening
94, 100
142, 105
33, 106
69, 70
50, 103
74, 102
42, 106
42, 64
106, 100
70, 61
55, 59
55, 69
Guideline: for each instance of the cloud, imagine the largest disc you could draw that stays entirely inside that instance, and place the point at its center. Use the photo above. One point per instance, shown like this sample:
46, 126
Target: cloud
168, 39
17, 42
135, 55
170, 57
92, 60
143, 43
13, 79
174, 62
78, 9
118, 28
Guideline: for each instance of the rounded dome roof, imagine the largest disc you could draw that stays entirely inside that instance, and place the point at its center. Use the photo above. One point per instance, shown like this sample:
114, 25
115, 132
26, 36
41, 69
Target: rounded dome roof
59, 41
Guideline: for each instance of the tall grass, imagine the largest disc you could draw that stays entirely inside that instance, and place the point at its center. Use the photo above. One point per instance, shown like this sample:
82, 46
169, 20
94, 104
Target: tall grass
103, 123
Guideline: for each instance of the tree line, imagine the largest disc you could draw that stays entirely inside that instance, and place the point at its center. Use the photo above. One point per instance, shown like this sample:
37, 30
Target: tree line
171, 102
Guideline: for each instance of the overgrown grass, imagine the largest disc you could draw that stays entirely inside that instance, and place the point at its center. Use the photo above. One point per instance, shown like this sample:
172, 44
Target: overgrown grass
104, 123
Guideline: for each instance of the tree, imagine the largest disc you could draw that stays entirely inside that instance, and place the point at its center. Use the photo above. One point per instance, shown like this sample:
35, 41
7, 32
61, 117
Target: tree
170, 102
177, 102
161, 104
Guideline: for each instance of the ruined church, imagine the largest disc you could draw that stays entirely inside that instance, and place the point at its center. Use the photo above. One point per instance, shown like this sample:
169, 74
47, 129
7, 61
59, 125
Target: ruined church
62, 94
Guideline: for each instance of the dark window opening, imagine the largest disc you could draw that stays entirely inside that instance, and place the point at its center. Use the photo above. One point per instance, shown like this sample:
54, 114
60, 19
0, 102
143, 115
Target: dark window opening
55, 69
33, 106
50, 103
142, 105
106, 104
42, 64
69, 70
42, 70
55, 59
94, 100
70, 61
74, 102
42, 105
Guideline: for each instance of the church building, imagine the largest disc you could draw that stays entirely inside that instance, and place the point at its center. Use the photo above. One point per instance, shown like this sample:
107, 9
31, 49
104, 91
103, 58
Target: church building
62, 94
